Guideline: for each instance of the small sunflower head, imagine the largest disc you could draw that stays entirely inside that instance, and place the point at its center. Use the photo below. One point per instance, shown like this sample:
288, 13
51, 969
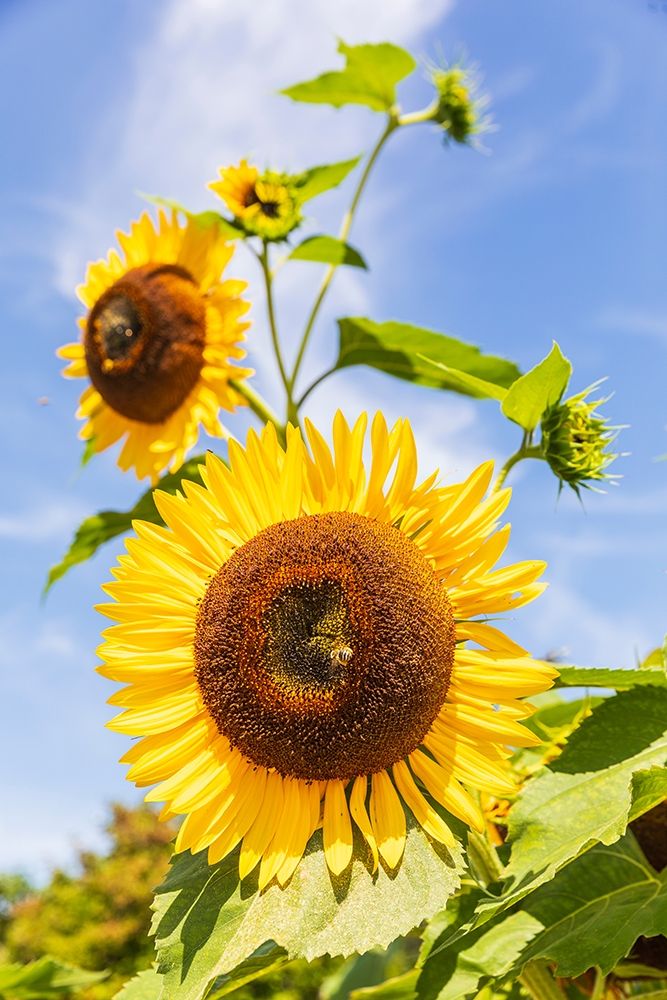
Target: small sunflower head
575, 439
458, 108
264, 205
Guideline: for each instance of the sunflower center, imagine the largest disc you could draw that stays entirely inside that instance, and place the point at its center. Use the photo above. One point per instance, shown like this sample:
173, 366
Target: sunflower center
144, 342
324, 646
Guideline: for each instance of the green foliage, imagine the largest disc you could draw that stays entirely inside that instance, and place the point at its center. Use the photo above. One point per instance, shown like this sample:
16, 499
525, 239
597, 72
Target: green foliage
322, 178
99, 918
590, 914
108, 524
207, 922
43, 979
621, 680
370, 77
537, 390
328, 250
585, 795
146, 985
423, 356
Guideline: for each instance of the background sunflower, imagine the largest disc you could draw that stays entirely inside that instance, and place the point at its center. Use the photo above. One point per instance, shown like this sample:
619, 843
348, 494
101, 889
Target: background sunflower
158, 341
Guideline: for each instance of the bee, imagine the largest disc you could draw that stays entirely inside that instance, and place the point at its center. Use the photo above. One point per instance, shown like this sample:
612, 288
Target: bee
341, 655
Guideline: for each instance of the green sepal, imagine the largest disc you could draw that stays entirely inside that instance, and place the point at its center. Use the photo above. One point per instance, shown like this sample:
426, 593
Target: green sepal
108, 524
541, 387
324, 177
423, 356
207, 923
370, 76
328, 250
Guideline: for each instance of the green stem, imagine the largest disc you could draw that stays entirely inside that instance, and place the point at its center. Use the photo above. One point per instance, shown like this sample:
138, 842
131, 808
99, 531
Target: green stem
599, 984
259, 407
346, 225
525, 451
538, 981
484, 858
273, 326
419, 117
320, 378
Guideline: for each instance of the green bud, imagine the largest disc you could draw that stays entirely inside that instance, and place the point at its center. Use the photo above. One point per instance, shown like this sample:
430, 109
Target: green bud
575, 438
458, 109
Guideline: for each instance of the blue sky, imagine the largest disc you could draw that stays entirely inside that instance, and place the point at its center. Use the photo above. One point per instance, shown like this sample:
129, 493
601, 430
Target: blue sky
559, 232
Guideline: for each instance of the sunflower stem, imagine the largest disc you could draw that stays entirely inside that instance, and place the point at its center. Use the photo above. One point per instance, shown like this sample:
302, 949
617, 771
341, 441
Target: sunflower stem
484, 858
527, 450
346, 225
536, 978
260, 407
263, 258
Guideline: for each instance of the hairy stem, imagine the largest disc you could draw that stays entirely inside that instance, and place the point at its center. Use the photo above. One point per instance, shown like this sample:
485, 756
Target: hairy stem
346, 225
526, 450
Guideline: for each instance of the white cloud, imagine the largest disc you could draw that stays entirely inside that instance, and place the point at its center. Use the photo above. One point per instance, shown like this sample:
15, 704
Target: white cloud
633, 321
52, 519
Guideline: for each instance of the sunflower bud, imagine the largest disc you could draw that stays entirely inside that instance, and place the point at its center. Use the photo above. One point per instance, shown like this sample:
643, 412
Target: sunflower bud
458, 110
575, 438
264, 205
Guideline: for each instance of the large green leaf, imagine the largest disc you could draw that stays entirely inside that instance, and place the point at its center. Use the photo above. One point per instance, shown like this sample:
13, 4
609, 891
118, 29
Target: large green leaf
423, 356
146, 985
585, 796
590, 914
370, 77
327, 250
537, 390
41, 980
620, 679
108, 524
323, 178
206, 923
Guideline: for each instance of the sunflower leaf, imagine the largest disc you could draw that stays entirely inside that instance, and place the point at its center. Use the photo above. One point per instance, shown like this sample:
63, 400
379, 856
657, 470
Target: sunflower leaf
370, 76
328, 250
208, 924
47, 977
423, 356
620, 679
537, 390
146, 985
108, 524
323, 178
590, 914
587, 794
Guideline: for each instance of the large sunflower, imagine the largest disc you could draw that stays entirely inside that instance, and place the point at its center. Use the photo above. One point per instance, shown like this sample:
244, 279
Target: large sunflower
297, 649
157, 343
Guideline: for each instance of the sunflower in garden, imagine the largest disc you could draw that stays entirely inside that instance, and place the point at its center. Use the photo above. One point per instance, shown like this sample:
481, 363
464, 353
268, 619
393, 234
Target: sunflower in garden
305, 643
157, 343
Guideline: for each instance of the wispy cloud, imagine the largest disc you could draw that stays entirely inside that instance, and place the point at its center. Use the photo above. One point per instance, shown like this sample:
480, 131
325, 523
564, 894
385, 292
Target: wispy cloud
634, 321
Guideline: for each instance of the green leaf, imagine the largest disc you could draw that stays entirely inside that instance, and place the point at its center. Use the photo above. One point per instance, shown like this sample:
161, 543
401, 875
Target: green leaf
423, 356
359, 973
585, 796
398, 988
370, 77
108, 524
205, 219
327, 250
47, 977
621, 680
206, 923
590, 914
323, 178
146, 985
264, 960
537, 390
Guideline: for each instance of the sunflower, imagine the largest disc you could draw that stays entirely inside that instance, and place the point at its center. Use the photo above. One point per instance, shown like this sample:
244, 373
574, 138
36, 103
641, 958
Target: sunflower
157, 343
305, 643
263, 205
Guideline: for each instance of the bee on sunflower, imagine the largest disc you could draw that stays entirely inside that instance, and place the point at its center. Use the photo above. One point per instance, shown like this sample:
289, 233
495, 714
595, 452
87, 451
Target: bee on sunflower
295, 645
158, 341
